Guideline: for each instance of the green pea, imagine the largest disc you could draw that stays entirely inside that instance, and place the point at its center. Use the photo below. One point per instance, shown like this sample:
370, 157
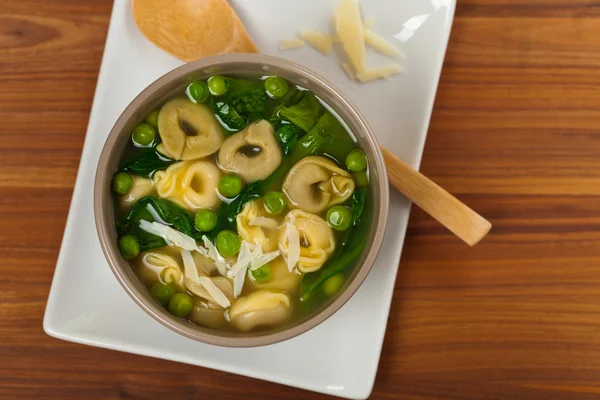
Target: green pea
360, 178
144, 134
339, 218
217, 85
274, 202
205, 220
276, 87
152, 119
197, 92
230, 185
262, 274
333, 284
122, 183
228, 243
181, 304
129, 247
163, 292
356, 160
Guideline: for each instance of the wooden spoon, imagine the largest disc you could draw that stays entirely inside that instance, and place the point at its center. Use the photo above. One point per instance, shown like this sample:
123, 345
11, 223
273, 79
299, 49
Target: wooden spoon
435, 201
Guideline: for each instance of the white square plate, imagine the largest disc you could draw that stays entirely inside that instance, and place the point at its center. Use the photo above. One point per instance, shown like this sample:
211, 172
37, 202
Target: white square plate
86, 303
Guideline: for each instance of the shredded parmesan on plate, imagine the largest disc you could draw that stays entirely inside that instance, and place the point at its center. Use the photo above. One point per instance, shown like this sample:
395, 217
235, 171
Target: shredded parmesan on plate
378, 73
349, 28
244, 259
290, 44
240, 276
349, 71
214, 254
381, 45
214, 291
264, 222
320, 41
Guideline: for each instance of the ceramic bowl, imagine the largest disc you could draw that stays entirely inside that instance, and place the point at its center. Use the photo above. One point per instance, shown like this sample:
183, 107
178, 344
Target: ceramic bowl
176, 81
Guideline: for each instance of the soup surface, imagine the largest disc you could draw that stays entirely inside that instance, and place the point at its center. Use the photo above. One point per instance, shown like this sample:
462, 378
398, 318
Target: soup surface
241, 203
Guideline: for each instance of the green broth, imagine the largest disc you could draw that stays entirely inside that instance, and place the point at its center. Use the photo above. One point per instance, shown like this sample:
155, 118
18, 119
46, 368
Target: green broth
302, 126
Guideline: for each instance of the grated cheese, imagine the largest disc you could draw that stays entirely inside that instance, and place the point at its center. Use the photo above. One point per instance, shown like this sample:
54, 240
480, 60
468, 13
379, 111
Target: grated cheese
290, 44
349, 28
264, 222
244, 258
171, 236
293, 241
321, 42
240, 276
189, 266
155, 214
214, 254
381, 45
214, 291
378, 73
349, 71
263, 258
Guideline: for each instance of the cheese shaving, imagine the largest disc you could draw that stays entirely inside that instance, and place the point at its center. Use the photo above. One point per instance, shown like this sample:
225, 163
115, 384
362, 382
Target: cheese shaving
290, 44
264, 222
155, 214
214, 254
381, 45
321, 42
349, 71
349, 28
240, 277
378, 73
244, 259
214, 291
171, 236
293, 241
263, 258
190, 270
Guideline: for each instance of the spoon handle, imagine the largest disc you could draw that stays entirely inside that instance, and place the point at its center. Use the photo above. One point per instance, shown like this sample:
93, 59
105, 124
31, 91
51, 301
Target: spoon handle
435, 201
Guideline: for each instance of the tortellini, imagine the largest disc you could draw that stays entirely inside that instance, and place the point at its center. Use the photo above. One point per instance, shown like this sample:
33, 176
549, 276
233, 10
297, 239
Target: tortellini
141, 187
316, 240
252, 153
316, 183
281, 279
207, 314
191, 184
188, 131
159, 265
261, 308
254, 232
225, 285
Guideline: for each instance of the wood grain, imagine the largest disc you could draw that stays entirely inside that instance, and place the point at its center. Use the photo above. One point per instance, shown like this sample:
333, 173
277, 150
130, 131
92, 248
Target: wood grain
515, 134
453, 214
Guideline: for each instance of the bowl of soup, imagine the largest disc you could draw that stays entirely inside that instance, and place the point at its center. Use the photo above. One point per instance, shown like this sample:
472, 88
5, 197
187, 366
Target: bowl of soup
241, 200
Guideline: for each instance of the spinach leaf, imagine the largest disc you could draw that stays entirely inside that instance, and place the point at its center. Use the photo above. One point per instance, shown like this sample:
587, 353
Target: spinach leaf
328, 136
147, 163
292, 97
245, 101
304, 114
179, 219
229, 118
358, 204
350, 246
287, 137
228, 212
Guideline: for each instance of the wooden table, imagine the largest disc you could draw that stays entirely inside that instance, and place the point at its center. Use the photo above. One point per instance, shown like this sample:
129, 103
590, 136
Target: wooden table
515, 133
